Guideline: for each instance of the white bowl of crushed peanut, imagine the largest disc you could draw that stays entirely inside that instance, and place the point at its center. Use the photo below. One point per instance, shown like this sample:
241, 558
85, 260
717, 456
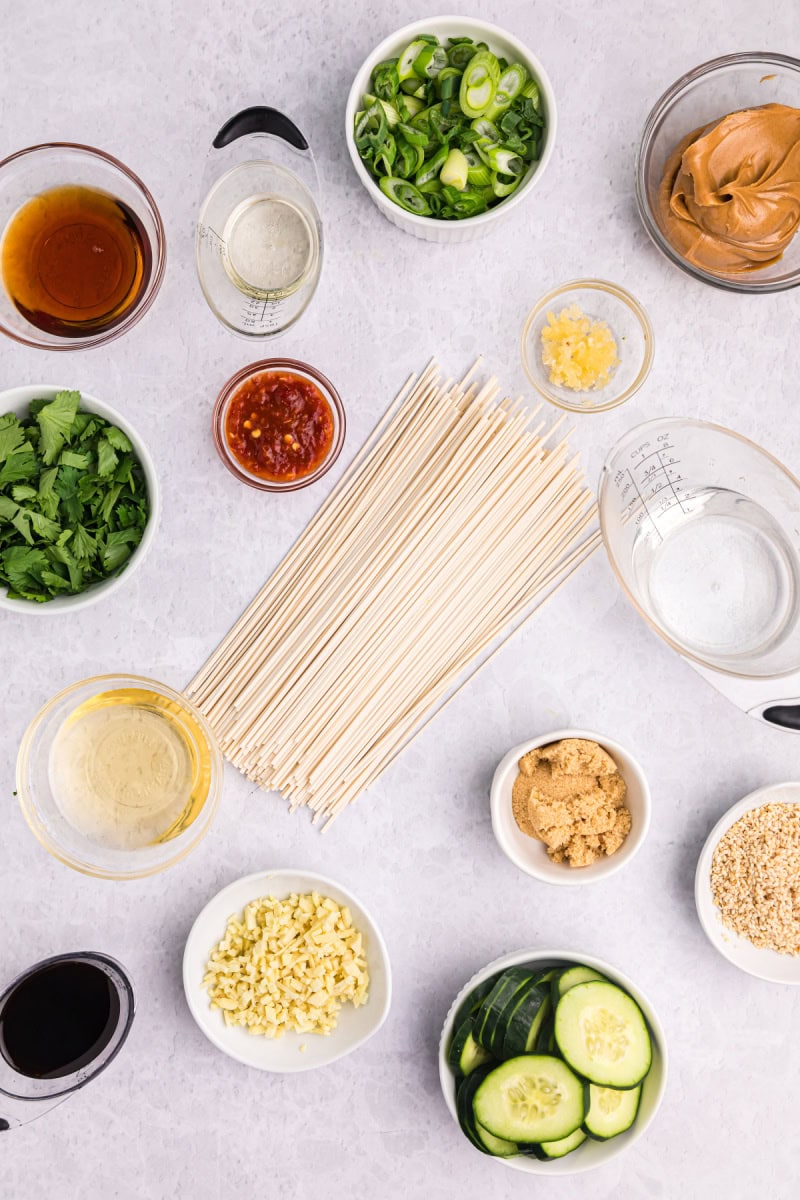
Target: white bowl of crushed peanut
570, 807
286, 971
748, 881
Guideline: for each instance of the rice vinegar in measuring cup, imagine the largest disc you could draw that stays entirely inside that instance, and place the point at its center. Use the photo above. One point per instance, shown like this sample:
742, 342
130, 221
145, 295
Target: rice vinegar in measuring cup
259, 235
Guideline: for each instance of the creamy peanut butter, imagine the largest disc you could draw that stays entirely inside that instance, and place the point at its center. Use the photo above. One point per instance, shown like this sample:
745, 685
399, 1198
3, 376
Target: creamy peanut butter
729, 199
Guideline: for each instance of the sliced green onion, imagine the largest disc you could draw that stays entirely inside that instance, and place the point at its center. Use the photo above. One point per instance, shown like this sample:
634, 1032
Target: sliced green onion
401, 192
385, 156
460, 52
390, 112
430, 169
510, 85
478, 174
413, 105
504, 185
486, 129
409, 158
479, 83
500, 158
385, 79
414, 87
405, 63
372, 123
447, 85
531, 92
467, 203
455, 169
430, 61
417, 137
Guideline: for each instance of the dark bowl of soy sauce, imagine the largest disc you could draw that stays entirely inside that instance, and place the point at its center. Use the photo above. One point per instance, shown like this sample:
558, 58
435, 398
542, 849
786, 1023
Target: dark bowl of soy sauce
61, 1023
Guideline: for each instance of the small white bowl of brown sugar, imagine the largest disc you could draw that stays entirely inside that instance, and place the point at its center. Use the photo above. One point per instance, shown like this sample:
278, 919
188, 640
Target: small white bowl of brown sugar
747, 884
570, 807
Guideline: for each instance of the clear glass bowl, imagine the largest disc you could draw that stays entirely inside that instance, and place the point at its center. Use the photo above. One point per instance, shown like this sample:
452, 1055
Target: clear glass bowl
29, 172
629, 324
220, 414
712, 90
43, 814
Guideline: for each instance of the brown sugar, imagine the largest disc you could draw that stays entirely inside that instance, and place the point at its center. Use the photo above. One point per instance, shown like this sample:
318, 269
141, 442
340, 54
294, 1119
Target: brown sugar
571, 796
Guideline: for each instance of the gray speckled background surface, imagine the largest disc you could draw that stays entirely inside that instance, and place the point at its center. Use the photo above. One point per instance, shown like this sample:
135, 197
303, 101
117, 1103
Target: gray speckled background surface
152, 82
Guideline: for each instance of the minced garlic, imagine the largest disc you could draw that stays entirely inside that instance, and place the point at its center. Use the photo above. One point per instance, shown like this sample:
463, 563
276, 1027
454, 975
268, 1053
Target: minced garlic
288, 964
579, 352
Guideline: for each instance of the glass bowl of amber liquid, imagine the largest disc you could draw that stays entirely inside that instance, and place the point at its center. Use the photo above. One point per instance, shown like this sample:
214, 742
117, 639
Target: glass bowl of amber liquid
119, 776
82, 249
700, 98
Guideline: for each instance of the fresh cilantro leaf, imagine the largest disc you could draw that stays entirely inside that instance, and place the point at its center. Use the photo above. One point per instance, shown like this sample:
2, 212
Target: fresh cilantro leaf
56, 583
118, 439
23, 491
18, 467
12, 435
106, 457
55, 422
47, 529
107, 507
118, 547
23, 567
71, 458
8, 508
83, 545
62, 555
22, 524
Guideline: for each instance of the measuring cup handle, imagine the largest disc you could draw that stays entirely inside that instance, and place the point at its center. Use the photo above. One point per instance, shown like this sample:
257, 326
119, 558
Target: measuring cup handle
786, 715
260, 119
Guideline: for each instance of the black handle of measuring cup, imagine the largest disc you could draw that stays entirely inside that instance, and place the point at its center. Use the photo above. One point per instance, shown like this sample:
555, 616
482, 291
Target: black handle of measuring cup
785, 716
260, 119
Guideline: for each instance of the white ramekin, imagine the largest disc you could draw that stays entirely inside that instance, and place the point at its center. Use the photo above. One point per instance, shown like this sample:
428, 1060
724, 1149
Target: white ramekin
431, 229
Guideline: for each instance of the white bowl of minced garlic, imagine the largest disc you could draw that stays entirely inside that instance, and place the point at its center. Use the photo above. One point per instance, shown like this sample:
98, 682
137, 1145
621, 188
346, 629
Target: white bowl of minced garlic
570, 807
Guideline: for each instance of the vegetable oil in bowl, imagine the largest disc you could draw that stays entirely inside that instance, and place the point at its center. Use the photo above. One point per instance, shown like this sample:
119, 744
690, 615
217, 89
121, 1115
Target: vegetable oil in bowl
129, 768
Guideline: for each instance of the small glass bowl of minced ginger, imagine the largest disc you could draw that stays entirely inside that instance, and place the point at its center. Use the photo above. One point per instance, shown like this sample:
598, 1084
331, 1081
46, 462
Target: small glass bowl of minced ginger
587, 346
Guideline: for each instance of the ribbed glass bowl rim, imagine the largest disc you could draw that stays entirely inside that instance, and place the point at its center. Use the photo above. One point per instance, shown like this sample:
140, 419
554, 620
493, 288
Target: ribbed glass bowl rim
221, 411
159, 254
727, 283
630, 301
200, 825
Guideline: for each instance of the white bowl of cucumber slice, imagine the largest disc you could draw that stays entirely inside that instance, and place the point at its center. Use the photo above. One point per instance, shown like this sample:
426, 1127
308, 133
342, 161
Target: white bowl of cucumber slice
552, 1062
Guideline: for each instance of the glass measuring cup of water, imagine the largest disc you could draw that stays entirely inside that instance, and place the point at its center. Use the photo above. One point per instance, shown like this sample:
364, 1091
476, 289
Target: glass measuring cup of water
259, 235
61, 1023
702, 528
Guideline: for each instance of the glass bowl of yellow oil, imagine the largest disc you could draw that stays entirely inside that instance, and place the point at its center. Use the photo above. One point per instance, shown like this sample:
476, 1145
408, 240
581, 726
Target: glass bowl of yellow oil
119, 776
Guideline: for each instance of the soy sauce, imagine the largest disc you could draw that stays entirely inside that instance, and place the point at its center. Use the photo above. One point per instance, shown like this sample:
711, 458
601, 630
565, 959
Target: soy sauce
58, 1019
75, 260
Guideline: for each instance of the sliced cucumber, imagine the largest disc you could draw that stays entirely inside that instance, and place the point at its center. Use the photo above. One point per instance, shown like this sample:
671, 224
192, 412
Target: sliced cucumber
564, 1145
496, 1146
465, 1054
533, 1098
494, 1004
548, 1150
472, 1001
610, 1111
546, 1038
523, 1025
602, 1034
570, 977
484, 1141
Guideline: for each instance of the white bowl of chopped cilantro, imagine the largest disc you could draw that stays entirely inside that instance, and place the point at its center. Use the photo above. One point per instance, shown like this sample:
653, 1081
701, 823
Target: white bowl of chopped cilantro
450, 124
78, 499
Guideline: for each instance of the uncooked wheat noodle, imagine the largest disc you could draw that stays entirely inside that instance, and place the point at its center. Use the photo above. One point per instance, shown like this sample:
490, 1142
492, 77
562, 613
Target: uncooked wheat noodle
461, 514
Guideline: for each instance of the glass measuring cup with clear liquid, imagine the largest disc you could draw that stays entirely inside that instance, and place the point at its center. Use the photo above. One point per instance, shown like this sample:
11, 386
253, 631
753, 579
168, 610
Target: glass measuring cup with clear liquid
259, 238
703, 530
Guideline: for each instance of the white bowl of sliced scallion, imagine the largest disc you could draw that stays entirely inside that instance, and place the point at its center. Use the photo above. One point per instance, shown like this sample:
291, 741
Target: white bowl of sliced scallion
450, 124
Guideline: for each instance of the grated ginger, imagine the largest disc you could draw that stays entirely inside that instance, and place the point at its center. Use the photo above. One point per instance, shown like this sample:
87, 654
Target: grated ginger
579, 352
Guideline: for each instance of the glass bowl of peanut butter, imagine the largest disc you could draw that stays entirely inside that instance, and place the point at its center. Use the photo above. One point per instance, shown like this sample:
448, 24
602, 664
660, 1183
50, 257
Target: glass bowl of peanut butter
718, 173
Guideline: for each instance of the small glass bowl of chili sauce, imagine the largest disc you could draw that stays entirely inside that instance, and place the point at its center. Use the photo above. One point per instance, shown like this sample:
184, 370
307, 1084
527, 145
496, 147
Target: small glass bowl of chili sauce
278, 425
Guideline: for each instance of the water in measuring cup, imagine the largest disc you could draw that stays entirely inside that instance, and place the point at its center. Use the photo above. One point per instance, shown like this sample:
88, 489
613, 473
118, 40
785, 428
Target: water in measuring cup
718, 575
269, 246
